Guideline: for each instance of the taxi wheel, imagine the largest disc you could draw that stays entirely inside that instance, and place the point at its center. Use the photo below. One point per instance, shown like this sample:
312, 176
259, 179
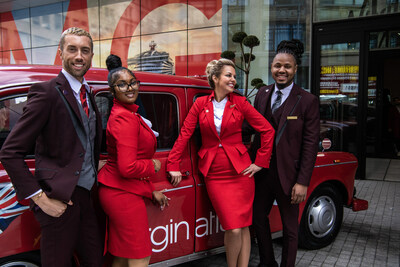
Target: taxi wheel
322, 218
30, 259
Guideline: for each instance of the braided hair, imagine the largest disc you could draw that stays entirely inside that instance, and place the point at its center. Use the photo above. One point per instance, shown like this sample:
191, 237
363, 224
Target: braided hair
293, 47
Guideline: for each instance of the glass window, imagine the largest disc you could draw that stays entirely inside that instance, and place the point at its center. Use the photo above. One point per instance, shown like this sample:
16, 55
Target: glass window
162, 110
339, 94
384, 39
10, 112
325, 10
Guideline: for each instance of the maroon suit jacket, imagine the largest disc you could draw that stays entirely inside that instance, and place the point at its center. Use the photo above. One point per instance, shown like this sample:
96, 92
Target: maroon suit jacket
131, 145
236, 110
46, 125
297, 136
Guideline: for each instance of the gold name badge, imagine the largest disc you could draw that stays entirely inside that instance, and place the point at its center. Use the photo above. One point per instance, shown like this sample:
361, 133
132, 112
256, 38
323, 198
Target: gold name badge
292, 117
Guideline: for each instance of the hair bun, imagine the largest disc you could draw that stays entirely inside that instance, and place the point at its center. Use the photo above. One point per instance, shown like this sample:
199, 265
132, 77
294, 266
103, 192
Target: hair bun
113, 62
210, 67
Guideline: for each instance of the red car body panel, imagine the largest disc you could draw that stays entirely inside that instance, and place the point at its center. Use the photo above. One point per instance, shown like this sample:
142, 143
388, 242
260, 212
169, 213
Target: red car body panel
189, 225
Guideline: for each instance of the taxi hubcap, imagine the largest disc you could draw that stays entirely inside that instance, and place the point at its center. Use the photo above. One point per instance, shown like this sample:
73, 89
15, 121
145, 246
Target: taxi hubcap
321, 216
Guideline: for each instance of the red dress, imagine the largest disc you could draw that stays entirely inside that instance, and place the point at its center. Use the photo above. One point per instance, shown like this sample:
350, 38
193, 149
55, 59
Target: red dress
223, 156
124, 182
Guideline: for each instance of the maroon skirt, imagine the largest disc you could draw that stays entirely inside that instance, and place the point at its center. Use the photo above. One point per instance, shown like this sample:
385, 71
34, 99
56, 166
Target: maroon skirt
231, 194
127, 223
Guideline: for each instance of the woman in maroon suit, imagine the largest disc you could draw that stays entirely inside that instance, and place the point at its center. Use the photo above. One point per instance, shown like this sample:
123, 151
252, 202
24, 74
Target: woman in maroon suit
223, 158
125, 178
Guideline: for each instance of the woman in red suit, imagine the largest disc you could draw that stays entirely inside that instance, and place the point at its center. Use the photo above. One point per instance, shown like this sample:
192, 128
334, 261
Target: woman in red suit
223, 158
125, 178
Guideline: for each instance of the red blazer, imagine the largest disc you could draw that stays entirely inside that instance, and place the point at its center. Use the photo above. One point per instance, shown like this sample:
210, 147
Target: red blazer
131, 145
297, 136
236, 110
46, 125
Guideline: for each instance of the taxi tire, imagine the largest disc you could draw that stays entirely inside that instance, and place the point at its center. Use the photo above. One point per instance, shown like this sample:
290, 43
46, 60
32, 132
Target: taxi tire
29, 259
321, 219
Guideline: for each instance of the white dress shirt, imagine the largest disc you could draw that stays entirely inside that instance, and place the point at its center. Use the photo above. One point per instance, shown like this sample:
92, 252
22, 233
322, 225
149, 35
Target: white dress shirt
219, 108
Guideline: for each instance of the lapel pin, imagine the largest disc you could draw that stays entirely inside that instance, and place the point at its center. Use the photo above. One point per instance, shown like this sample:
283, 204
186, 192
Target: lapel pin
206, 110
267, 90
233, 105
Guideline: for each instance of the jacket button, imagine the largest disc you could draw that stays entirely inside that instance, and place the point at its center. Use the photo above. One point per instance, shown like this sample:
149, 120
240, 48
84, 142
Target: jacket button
77, 173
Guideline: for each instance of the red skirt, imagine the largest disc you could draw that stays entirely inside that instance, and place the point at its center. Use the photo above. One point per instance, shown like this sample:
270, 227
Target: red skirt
128, 227
231, 194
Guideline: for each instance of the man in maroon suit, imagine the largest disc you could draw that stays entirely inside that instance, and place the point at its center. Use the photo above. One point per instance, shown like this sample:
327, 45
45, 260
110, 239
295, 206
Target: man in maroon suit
294, 114
62, 123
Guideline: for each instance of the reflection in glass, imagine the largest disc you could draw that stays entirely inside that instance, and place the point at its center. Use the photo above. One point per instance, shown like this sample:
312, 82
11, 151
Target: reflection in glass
47, 24
384, 39
152, 60
201, 50
168, 47
171, 17
339, 94
325, 10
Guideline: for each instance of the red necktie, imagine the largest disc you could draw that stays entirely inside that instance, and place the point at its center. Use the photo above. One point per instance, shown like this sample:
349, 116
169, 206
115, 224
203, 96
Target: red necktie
83, 100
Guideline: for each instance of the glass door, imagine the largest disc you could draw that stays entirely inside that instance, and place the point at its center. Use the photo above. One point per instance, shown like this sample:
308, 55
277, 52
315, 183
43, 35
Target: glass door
337, 78
338, 92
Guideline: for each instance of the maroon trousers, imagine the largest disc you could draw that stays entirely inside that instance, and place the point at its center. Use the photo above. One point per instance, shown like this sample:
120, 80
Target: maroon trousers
76, 231
268, 188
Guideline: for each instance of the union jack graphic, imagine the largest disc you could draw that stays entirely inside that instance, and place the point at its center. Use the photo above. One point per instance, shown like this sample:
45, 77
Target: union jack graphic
10, 208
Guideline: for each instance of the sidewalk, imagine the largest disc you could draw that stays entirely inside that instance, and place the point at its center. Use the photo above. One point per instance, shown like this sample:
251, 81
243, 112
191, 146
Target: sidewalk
367, 238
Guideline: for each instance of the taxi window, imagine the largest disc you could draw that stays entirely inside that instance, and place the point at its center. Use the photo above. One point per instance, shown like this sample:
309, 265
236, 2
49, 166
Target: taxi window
160, 108
10, 112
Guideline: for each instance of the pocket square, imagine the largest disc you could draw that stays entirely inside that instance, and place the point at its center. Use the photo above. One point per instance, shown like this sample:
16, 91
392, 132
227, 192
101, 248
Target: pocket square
292, 117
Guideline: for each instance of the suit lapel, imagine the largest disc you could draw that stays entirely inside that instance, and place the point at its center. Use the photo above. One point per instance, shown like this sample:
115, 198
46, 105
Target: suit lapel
209, 111
228, 110
265, 96
142, 122
69, 95
289, 105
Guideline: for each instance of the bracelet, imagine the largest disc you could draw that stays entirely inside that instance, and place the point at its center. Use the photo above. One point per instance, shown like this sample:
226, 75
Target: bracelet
36, 197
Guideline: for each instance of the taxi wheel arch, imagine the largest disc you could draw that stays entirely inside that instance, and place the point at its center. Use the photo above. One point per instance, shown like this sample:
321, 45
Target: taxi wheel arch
322, 217
29, 259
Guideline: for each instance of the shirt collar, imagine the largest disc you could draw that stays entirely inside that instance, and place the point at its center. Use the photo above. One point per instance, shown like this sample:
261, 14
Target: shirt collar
286, 90
74, 83
212, 96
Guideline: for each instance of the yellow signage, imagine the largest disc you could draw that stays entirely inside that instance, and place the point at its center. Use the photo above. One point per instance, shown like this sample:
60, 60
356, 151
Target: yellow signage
339, 69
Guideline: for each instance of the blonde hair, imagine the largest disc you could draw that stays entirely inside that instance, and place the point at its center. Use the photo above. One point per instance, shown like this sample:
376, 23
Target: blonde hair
75, 31
214, 68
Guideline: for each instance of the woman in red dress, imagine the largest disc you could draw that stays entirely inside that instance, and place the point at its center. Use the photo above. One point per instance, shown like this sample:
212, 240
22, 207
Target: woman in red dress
125, 178
223, 158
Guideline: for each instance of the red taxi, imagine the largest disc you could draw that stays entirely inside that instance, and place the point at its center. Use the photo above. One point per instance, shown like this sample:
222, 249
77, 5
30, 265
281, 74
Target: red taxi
189, 228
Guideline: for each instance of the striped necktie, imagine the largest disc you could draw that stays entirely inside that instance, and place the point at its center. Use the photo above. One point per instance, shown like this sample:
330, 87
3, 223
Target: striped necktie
83, 100
277, 102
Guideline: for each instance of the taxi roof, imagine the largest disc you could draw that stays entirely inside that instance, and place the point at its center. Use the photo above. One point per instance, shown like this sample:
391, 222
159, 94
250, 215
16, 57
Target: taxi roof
26, 74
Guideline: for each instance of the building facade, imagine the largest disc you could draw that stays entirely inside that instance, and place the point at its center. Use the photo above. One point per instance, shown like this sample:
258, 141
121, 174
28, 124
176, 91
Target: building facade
351, 59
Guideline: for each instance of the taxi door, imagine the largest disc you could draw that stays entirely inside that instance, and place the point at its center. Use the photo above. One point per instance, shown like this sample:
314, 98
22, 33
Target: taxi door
209, 233
172, 229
